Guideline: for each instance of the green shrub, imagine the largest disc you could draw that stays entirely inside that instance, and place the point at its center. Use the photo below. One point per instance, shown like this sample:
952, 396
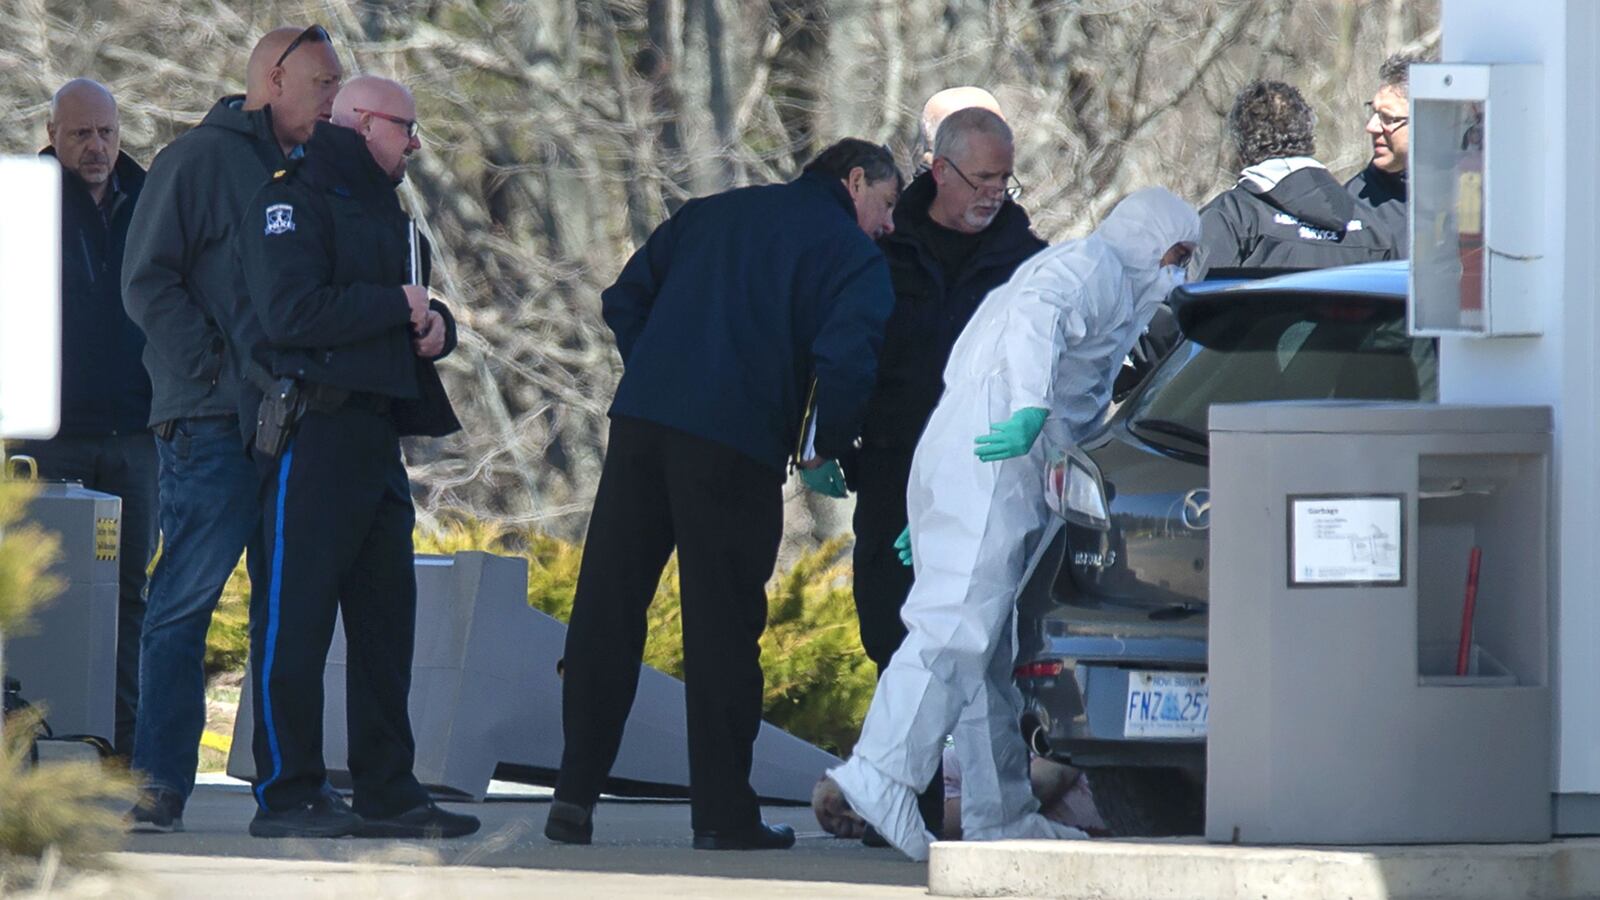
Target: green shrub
818, 679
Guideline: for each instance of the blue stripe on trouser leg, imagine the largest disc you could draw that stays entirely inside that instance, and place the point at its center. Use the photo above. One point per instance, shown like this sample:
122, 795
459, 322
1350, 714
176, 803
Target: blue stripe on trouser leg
272, 628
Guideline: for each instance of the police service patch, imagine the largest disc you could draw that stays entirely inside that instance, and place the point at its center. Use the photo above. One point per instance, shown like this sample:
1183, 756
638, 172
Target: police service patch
280, 218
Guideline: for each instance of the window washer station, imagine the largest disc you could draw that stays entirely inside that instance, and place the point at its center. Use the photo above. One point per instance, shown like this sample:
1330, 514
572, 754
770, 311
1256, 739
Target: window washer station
1405, 616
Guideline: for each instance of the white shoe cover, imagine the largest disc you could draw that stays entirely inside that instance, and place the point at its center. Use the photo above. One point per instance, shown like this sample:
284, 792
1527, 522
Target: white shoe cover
886, 805
1030, 827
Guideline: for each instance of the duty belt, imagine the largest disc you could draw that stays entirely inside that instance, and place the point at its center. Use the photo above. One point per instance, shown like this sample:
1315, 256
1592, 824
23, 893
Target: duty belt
326, 398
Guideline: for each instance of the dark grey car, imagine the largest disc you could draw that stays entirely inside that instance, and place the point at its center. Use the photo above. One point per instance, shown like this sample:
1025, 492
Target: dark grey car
1112, 627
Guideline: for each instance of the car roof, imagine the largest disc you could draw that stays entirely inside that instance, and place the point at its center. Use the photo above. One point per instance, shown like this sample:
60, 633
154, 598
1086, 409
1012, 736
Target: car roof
1382, 281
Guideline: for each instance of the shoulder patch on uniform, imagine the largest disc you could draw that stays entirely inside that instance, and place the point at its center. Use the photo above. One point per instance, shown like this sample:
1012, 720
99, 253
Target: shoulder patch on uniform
280, 219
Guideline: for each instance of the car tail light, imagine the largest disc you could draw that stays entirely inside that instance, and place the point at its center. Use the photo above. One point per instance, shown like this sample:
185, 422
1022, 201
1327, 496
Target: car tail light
1073, 491
1048, 668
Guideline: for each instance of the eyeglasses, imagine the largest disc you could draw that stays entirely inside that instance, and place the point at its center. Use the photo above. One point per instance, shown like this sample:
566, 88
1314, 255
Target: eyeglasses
315, 34
1386, 121
1009, 185
410, 124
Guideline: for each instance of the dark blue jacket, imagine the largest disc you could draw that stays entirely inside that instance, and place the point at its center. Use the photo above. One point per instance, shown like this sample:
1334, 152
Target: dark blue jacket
736, 302
104, 387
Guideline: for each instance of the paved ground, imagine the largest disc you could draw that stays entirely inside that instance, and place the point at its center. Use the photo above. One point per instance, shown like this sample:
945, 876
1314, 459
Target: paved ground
640, 838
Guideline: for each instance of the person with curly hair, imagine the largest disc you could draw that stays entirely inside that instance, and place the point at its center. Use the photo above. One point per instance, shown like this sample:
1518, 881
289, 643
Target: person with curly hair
1287, 211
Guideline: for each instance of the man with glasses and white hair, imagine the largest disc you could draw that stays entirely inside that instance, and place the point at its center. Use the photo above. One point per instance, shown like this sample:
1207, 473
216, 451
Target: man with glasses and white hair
182, 286
958, 234
1380, 189
344, 331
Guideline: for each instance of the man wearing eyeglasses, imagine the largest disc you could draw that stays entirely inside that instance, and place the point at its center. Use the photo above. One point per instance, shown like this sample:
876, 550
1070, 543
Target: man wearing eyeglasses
1380, 189
1286, 211
958, 234
345, 329
182, 287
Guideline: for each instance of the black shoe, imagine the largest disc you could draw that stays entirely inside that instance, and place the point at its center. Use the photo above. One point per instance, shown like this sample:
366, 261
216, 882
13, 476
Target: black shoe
761, 837
569, 823
159, 811
328, 816
425, 821
872, 838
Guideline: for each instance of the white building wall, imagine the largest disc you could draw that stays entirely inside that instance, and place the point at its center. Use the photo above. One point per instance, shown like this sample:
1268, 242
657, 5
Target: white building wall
1560, 368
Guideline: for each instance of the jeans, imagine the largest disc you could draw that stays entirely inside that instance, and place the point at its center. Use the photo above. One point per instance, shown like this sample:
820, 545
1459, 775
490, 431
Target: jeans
209, 511
123, 465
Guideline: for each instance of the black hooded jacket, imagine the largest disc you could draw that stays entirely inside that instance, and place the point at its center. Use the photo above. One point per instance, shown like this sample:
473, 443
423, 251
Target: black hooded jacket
1381, 203
104, 388
1278, 219
325, 252
180, 279
932, 306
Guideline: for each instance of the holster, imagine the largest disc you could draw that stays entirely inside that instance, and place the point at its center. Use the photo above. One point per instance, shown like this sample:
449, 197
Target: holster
281, 408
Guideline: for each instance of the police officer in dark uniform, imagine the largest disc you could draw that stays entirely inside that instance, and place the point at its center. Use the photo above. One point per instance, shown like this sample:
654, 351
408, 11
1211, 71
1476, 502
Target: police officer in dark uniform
343, 341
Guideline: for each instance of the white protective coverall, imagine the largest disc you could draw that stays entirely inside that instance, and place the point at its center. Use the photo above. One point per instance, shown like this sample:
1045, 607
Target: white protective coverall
1052, 337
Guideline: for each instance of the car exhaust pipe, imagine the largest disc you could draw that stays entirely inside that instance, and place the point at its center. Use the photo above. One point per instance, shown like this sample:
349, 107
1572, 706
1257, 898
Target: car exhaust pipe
1033, 732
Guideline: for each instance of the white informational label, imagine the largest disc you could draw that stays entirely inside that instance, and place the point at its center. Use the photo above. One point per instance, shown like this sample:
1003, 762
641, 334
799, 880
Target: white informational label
1345, 540
30, 297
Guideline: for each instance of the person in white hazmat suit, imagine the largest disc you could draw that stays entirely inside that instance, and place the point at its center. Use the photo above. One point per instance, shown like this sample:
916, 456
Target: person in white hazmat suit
1030, 373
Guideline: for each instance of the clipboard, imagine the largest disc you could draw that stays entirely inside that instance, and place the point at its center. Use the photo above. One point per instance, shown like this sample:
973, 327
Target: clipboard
805, 443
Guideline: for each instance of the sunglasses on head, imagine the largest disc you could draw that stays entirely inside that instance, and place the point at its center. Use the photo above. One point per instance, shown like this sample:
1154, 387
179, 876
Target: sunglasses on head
315, 34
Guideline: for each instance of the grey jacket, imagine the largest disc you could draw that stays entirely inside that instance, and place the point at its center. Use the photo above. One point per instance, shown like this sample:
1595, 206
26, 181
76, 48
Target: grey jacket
181, 279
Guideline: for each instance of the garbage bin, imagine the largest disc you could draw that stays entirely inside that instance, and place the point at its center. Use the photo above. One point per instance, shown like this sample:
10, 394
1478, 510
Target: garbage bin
1341, 535
66, 655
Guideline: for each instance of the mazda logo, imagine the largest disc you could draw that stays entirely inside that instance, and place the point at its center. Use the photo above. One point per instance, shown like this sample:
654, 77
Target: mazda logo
1197, 509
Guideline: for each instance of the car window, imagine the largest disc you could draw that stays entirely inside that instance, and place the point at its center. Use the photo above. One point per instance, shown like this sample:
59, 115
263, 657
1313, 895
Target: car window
1284, 349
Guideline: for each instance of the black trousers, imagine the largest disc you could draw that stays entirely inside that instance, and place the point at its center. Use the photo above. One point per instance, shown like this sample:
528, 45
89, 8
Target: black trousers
124, 465
882, 581
661, 488
337, 519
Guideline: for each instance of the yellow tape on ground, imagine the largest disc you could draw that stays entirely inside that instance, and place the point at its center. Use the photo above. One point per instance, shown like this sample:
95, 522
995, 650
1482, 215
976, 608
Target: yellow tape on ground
216, 742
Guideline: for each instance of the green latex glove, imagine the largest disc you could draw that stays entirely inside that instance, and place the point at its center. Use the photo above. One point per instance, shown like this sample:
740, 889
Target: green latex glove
1013, 437
826, 479
903, 545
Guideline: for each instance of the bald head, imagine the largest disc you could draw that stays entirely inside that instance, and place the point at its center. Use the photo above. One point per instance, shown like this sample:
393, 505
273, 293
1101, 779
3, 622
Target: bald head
950, 100
369, 92
384, 114
258, 71
79, 94
296, 72
85, 133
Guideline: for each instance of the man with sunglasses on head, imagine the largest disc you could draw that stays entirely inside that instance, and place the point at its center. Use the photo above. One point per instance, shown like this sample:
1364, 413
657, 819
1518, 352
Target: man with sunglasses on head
958, 233
345, 330
182, 286
1380, 189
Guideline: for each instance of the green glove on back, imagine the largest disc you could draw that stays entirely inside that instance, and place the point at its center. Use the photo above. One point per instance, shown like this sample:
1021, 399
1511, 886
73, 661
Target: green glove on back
826, 479
1013, 437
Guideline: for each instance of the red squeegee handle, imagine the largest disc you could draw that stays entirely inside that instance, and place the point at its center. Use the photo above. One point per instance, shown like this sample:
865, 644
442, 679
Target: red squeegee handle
1468, 609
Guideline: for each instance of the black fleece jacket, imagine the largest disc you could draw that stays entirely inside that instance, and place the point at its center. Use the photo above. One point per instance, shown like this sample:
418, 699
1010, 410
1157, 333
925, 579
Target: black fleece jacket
932, 305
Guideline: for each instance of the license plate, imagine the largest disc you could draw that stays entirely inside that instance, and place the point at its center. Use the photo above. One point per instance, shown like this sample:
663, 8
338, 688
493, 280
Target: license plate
1166, 705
